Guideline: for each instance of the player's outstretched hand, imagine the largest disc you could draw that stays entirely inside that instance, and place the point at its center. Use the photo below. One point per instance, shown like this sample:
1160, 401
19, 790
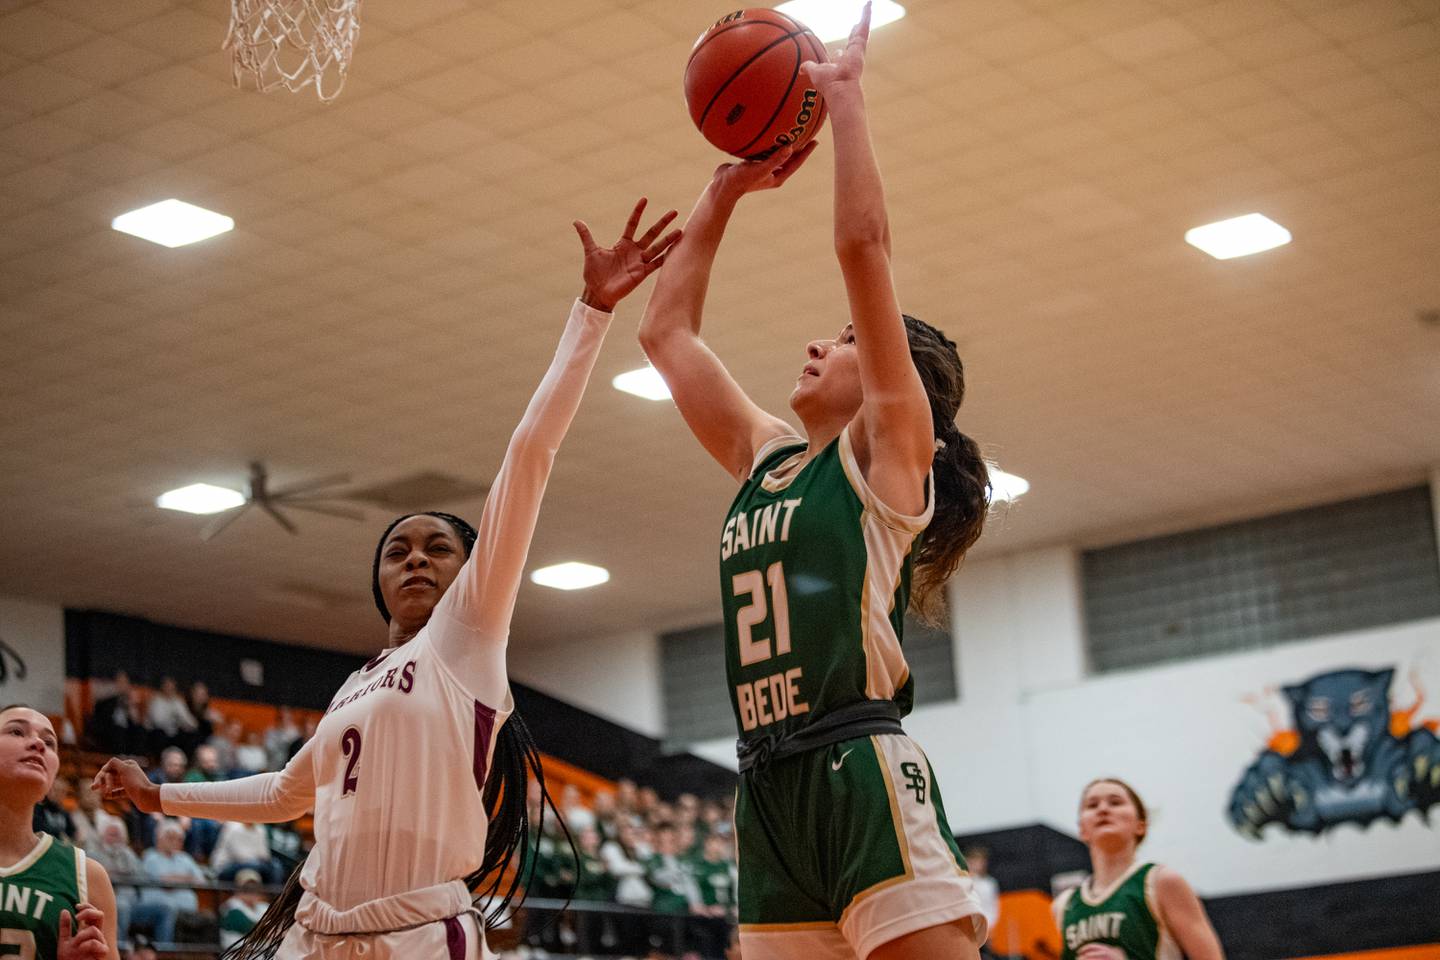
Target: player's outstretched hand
612, 272
737, 179
124, 778
845, 68
89, 943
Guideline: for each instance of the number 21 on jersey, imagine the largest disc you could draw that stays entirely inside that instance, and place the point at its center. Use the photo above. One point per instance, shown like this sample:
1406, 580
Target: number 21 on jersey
777, 696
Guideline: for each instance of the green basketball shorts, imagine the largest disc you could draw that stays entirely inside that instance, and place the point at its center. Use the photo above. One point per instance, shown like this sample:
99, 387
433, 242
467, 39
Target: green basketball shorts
843, 849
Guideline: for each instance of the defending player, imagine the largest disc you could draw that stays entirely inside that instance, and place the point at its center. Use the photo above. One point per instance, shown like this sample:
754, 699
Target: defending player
844, 849
55, 903
396, 769
1127, 910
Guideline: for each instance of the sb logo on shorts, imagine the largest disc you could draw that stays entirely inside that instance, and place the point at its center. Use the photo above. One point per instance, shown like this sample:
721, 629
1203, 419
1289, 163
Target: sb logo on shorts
914, 779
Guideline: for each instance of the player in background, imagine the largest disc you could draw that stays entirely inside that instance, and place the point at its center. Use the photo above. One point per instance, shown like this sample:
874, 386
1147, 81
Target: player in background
1127, 909
415, 747
844, 849
55, 903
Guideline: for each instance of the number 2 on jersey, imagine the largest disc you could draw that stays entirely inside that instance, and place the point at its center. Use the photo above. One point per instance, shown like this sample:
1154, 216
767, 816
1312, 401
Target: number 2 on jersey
350, 746
17, 943
751, 584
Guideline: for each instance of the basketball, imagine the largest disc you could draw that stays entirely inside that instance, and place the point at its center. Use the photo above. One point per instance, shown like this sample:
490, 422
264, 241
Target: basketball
744, 86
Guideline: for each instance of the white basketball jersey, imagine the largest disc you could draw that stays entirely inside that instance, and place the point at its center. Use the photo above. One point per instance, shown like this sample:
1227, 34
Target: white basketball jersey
399, 762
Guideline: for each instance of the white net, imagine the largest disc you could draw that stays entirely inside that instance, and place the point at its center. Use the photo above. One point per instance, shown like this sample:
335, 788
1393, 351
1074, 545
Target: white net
293, 43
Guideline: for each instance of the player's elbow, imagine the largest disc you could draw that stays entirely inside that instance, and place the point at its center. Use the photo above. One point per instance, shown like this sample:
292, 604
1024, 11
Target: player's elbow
862, 243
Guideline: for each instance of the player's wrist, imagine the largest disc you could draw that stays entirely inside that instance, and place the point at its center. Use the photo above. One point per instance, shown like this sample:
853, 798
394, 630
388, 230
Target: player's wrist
595, 301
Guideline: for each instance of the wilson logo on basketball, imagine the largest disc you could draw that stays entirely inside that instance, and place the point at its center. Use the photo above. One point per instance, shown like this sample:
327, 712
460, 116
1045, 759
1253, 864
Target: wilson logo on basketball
729, 18
807, 111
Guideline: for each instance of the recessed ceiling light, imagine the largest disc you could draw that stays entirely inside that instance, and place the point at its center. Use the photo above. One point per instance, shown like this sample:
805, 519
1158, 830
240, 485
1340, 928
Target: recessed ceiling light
645, 382
172, 223
200, 498
1006, 487
1238, 236
570, 576
834, 19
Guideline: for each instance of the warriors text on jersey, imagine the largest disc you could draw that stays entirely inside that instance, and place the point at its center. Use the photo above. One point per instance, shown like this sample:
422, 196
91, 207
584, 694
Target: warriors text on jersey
1125, 916
50, 878
815, 579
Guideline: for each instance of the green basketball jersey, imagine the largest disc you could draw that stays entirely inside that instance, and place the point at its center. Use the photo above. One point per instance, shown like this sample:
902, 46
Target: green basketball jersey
47, 880
1126, 917
815, 577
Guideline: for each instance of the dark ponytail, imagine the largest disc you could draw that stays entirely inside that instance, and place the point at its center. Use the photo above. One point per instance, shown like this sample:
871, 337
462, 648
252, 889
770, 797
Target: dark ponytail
962, 481
507, 839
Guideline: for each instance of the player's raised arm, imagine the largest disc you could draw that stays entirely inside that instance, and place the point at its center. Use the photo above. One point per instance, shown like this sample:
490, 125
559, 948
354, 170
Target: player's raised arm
895, 421
1185, 916
728, 424
473, 618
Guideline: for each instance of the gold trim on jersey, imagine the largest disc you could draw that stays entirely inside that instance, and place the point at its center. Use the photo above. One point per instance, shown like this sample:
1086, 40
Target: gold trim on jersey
42, 844
82, 879
787, 927
1085, 885
770, 482
896, 818
1166, 946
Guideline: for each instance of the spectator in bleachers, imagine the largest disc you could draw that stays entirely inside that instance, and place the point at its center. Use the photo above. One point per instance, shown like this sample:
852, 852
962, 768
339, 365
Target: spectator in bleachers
310, 724
50, 814
606, 814
117, 725
207, 768
169, 718
167, 862
250, 755
200, 841
718, 881
672, 886
241, 847
279, 737
173, 763
627, 798
242, 911
111, 850
978, 860
224, 741
578, 815
593, 881
90, 818
207, 718
286, 847
625, 859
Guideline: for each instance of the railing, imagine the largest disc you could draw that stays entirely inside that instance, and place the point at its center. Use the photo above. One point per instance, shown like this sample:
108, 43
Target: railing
590, 925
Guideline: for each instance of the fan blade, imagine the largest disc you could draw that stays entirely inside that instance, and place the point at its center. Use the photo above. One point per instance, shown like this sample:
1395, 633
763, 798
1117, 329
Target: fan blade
332, 480
280, 518
314, 506
215, 527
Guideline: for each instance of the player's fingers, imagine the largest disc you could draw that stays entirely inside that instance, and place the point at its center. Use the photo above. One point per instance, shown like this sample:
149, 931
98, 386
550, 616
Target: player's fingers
89, 915
663, 247
634, 220
862, 29
65, 926
655, 230
586, 240
657, 263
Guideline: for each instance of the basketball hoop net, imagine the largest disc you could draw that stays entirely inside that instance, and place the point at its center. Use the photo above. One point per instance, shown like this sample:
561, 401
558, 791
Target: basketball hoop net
293, 43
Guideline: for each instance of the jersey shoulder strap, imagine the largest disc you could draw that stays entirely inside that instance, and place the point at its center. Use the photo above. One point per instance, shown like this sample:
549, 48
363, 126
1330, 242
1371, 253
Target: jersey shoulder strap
773, 451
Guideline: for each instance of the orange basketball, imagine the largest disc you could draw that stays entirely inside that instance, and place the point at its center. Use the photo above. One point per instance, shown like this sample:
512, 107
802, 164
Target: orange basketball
744, 86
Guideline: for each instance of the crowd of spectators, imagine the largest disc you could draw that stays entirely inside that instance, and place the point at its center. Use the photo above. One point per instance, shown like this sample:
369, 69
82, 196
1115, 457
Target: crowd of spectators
634, 849
631, 847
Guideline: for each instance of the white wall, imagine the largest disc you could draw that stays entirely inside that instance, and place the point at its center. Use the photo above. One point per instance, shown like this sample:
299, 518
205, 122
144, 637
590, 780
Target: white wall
616, 677
1031, 729
35, 636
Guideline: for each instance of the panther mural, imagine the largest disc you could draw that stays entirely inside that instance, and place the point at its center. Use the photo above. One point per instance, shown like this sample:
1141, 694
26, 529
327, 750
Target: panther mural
1347, 759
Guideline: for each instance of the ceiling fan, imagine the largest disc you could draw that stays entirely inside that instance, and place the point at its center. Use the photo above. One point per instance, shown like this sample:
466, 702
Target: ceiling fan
309, 495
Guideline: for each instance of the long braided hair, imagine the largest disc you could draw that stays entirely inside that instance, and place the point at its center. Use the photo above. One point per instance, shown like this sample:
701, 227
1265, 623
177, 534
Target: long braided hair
962, 481
508, 841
